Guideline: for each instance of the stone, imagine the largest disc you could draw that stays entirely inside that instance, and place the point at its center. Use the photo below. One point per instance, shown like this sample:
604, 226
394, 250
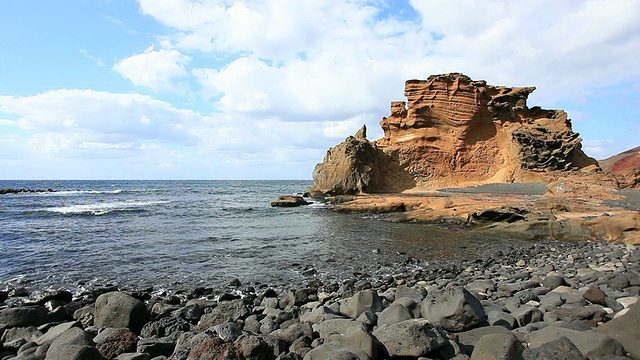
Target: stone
166, 326
417, 294
553, 281
504, 346
163, 346
336, 350
594, 295
133, 356
362, 340
119, 310
261, 347
501, 318
526, 314
415, 337
395, 313
289, 201
226, 311
562, 348
455, 308
55, 331
214, 349
468, 339
27, 333
74, 343
23, 316
188, 341
361, 302
228, 331
590, 343
336, 326
625, 329
117, 342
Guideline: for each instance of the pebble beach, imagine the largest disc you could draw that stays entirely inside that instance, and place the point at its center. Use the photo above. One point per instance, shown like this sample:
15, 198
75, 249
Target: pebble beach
548, 300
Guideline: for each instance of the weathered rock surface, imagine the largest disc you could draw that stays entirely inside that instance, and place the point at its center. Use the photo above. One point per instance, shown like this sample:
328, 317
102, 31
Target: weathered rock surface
454, 131
119, 310
289, 201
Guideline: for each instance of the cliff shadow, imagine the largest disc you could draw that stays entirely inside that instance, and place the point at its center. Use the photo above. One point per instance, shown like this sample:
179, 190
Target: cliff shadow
388, 175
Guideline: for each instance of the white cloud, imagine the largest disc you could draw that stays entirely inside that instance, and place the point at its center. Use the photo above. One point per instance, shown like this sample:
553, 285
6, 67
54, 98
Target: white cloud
64, 116
155, 69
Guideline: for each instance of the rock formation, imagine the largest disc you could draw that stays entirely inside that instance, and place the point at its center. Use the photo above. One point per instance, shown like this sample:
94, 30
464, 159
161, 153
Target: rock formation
625, 167
453, 131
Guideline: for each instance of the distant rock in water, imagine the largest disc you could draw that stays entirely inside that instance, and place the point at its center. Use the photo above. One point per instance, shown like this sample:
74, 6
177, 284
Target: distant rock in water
454, 131
625, 167
289, 201
24, 191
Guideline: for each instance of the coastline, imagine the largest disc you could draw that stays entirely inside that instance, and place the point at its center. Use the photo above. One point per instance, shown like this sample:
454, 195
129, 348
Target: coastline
525, 294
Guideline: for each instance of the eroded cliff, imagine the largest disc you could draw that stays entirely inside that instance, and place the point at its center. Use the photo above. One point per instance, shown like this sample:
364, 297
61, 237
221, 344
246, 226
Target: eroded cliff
453, 131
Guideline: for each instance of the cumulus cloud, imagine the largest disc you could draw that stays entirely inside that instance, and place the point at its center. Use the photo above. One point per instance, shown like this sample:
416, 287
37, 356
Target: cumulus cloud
66, 118
155, 69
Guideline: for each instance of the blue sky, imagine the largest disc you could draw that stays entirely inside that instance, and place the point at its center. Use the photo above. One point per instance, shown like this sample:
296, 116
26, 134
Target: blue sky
179, 89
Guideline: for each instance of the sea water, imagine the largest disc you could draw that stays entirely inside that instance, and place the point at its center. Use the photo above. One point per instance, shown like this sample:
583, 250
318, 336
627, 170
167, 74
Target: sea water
184, 234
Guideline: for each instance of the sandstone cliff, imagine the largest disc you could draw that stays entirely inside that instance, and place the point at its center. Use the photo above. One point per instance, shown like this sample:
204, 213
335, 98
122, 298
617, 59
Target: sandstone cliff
453, 131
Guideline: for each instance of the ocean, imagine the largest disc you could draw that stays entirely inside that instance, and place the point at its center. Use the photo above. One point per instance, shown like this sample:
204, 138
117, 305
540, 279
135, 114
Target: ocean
174, 235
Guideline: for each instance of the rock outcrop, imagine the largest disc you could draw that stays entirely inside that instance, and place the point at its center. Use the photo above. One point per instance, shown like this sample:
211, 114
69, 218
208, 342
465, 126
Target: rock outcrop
625, 167
453, 131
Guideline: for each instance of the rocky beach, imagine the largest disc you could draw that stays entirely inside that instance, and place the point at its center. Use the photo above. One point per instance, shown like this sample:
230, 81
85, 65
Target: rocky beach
550, 300
458, 154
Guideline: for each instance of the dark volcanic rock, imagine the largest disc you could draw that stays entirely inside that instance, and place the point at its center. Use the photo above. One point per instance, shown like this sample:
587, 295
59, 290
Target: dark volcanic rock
289, 201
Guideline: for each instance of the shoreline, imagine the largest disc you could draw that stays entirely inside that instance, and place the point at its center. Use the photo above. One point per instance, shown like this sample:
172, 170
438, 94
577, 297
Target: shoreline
528, 289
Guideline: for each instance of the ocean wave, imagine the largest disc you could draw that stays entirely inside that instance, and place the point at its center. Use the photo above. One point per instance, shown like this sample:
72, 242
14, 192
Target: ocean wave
76, 192
103, 208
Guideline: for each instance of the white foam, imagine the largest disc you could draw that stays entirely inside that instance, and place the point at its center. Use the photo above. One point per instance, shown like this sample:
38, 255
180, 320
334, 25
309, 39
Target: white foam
75, 192
103, 207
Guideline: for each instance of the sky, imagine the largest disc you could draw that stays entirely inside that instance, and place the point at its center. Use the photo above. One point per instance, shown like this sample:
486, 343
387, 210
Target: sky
204, 89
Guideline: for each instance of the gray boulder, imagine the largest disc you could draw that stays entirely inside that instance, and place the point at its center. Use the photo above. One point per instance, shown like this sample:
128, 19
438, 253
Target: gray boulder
163, 346
119, 310
590, 343
504, 346
395, 313
526, 314
336, 350
468, 339
361, 302
73, 344
226, 311
562, 348
455, 308
415, 337
23, 316
626, 330
336, 326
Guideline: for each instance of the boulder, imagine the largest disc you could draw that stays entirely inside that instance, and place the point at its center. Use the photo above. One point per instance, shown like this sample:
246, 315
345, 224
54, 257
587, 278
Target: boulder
226, 311
23, 316
162, 346
468, 339
395, 313
361, 302
116, 342
119, 310
414, 337
336, 350
73, 344
562, 348
289, 201
504, 346
455, 308
625, 329
590, 343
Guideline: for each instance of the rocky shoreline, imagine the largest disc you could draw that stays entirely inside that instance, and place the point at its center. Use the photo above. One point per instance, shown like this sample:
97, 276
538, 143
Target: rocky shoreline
573, 300
24, 191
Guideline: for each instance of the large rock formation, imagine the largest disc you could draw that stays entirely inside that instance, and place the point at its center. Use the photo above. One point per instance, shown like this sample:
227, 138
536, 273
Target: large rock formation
453, 131
625, 167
